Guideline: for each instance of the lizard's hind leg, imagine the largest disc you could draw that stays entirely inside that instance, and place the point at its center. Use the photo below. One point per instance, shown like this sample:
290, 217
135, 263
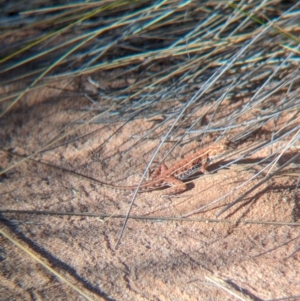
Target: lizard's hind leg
177, 186
158, 171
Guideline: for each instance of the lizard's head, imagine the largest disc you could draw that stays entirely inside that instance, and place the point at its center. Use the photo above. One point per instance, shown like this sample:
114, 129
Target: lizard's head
220, 148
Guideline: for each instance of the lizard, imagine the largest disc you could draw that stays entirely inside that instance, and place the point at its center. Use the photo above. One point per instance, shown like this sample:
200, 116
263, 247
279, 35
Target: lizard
164, 176
174, 175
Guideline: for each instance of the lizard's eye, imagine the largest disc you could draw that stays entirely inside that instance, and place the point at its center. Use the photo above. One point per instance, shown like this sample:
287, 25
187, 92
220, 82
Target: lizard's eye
213, 153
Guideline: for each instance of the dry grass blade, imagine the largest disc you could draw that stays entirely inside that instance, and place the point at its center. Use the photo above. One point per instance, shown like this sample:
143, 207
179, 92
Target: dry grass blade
225, 286
108, 216
45, 265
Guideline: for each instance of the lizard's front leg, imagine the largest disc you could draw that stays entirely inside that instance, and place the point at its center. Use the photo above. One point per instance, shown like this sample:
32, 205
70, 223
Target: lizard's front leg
205, 162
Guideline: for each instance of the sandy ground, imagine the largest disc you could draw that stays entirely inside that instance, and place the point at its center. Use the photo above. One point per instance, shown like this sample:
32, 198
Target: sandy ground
156, 259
